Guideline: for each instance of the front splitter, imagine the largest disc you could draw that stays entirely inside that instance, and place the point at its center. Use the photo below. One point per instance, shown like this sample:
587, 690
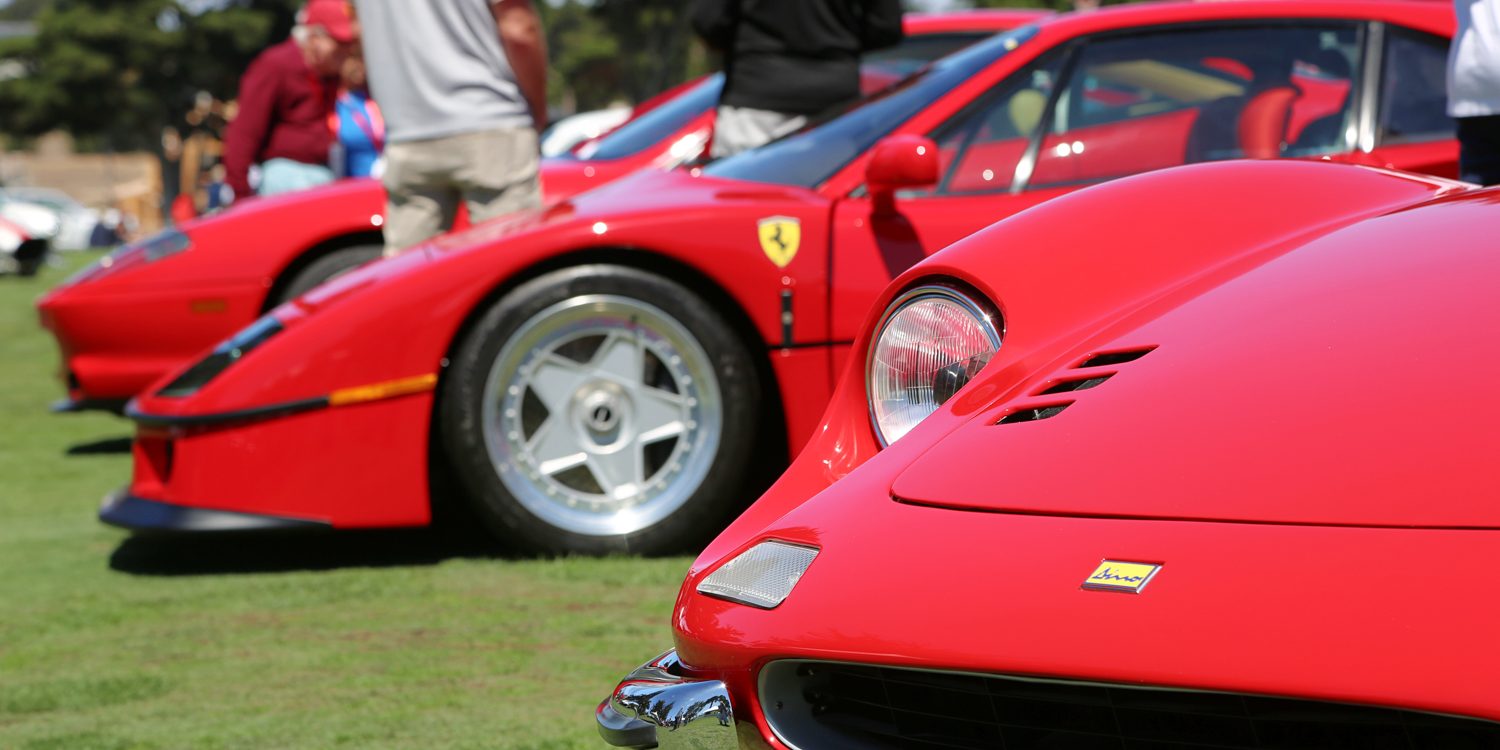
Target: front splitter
144, 516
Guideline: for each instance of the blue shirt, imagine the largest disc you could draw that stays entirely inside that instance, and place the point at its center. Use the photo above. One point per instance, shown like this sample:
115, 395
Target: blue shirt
359, 133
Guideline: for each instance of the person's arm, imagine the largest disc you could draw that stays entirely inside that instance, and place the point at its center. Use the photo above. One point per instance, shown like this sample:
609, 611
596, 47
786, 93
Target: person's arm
520, 30
246, 135
714, 21
882, 25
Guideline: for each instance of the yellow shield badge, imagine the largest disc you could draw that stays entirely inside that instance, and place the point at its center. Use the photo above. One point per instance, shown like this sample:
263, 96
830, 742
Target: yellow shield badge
779, 238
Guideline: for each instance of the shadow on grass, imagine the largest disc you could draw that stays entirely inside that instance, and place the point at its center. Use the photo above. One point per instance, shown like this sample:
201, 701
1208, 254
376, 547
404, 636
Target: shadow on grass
269, 552
107, 446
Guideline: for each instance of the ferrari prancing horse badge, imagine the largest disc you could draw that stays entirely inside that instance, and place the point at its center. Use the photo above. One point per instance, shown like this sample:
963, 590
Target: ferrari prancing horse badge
779, 238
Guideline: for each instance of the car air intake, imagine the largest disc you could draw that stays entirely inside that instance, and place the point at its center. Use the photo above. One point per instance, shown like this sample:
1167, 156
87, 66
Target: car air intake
822, 704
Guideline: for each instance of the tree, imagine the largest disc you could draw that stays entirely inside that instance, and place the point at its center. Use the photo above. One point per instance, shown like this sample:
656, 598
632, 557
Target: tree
117, 71
22, 10
605, 50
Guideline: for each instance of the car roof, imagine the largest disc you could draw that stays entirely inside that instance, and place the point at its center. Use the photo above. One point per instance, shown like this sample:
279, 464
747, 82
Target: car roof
1433, 16
989, 19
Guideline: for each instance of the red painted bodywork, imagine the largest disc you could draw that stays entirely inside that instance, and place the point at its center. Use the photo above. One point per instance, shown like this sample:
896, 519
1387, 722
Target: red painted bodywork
119, 332
1305, 450
122, 327
400, 318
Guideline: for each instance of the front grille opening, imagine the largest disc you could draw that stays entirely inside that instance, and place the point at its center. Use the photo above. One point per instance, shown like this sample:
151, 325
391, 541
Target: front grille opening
1077, 384
819, 704
1034, 414
1104, 359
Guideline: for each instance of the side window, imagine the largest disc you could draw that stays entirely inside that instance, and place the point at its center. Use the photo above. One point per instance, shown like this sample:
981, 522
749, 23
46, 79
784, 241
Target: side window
980, 147
1135, 104
1413, 93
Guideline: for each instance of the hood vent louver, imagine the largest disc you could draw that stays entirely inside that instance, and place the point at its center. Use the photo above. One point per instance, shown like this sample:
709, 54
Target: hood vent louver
1046, 410
1076, 384
1104, 359
1034, 414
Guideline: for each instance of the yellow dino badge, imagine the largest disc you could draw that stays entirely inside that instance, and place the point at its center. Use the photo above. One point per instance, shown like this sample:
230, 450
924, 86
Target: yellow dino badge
779, 238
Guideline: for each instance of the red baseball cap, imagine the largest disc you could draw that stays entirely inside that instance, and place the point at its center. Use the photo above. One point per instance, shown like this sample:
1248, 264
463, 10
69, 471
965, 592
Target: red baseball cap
335, 16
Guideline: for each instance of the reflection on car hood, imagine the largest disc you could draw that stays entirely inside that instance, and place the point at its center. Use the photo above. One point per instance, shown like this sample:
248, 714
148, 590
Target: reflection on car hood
1343, 383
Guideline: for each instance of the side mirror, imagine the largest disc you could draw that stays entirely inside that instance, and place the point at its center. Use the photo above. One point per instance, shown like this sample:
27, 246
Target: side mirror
899, 162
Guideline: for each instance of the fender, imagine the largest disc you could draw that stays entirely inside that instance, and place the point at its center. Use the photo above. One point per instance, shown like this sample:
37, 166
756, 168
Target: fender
1062, 284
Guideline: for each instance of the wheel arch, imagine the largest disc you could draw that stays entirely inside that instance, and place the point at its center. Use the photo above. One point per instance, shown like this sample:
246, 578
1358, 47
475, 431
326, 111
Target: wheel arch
773, 424
312, 254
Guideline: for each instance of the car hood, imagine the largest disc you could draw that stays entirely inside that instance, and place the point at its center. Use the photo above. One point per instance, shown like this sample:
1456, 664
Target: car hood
1345, 383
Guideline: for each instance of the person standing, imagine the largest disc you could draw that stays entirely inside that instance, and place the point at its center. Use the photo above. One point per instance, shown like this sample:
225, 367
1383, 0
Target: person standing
1474, 89
787, 59
286, 96
358, 127
463, 87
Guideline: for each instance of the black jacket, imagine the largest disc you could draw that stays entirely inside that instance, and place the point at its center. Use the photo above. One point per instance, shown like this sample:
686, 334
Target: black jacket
794, 56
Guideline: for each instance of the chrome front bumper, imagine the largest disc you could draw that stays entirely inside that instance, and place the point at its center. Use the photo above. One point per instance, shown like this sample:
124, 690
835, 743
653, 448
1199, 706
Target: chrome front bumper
656, 707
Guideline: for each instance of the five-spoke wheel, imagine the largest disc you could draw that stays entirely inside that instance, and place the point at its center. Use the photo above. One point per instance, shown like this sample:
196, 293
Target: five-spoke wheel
601, 408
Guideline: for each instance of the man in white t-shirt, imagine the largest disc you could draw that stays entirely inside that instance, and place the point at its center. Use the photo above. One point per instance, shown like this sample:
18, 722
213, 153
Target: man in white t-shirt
462, 85
1474, 89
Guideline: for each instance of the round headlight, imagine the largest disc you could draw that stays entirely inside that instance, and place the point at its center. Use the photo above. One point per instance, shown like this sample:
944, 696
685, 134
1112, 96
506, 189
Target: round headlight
931, 340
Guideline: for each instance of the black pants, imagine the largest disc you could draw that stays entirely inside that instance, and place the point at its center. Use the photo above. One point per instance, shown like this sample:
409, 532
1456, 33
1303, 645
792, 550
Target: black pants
1479, 149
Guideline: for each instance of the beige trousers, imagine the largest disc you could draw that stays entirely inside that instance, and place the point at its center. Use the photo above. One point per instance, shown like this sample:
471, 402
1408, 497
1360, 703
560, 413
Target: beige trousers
739, 129
494, 172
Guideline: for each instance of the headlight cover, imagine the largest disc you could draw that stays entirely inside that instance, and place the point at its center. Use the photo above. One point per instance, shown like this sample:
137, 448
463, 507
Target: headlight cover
219, 360
762, 576
930, 342
163, 244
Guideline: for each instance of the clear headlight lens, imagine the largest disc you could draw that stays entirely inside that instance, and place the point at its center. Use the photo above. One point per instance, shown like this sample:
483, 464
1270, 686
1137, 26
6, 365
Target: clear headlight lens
762, 576
932, 340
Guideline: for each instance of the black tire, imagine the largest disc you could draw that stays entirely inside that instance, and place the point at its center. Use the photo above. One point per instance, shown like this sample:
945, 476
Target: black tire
712, 499
332, 265
31, 255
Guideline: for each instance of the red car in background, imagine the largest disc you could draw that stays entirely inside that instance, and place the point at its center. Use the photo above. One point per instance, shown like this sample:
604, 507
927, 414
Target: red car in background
1209, 469
128, 320
152, 305
621, 370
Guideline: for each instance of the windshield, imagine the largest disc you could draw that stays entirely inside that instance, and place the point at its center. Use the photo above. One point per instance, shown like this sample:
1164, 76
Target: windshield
915, 51
809, 156
654, 126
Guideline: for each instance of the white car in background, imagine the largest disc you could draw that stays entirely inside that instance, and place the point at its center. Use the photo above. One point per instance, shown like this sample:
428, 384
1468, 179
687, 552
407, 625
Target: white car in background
20, 253
75, 222
561, 136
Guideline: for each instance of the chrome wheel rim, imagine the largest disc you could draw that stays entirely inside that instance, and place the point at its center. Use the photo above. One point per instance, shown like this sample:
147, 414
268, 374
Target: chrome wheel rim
602, 415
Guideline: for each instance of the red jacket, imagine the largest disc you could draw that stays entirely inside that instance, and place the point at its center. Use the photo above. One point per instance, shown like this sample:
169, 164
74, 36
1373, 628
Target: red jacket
283, 113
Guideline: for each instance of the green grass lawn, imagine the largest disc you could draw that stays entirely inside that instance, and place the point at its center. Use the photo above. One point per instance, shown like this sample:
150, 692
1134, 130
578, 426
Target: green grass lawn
389, 639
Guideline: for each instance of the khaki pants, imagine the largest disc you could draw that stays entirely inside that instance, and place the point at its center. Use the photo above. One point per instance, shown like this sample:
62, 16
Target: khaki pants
494, 172
739, 129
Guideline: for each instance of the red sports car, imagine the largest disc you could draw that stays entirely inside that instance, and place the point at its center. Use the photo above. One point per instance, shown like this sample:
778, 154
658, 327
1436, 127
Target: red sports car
621, 370
135, 315
129, 320
1197, 459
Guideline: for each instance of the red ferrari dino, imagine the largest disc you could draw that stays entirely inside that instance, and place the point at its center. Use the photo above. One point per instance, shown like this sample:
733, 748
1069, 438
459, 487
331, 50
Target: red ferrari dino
621, 369
1209, 469
129, 320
